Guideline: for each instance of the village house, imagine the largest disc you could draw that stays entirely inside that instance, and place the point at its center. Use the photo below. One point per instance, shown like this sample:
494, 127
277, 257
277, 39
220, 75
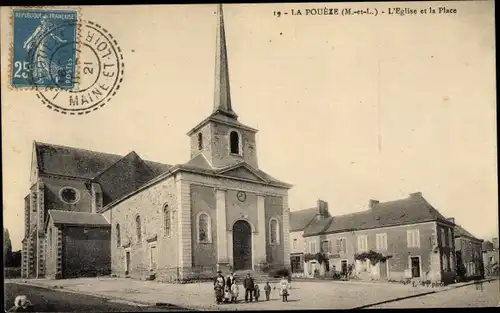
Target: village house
491, 256
299, 220
395, 240
93, 213
468, 249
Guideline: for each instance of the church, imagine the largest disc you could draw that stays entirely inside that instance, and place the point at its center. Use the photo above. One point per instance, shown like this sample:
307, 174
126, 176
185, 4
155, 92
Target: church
93, 213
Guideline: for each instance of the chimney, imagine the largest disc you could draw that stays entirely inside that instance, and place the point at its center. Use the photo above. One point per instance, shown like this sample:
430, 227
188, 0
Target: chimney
322, 208
495, 243
372, 203
416, 194
451, 219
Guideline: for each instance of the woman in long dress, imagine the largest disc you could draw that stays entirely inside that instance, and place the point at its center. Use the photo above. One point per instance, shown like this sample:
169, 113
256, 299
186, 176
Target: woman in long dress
37, 44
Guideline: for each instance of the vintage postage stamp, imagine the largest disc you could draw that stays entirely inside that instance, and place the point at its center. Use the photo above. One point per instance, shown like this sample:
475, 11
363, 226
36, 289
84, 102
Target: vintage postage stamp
101, 70
44, 48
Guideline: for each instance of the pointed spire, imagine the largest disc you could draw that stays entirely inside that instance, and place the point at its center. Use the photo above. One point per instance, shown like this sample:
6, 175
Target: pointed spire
222, 103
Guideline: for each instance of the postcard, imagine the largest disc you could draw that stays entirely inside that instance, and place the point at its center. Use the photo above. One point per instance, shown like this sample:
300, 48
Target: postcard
265, 156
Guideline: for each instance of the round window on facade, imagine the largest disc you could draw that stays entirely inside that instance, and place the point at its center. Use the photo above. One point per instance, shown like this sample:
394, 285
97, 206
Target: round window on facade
69, 195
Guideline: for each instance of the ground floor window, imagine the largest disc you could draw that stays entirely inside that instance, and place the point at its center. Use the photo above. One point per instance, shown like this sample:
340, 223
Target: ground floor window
471, 269
296, 263
444, 261
415, 266
152, 257
127, 261
343, 267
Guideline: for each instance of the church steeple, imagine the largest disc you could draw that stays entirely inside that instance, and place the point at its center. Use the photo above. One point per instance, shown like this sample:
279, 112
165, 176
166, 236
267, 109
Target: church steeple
222, 101
221, 139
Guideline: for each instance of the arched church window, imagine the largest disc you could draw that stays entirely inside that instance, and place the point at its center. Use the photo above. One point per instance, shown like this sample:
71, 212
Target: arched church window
274, 233
204, 228
118, 237
166, 222
234, 139
138, 228
200, 141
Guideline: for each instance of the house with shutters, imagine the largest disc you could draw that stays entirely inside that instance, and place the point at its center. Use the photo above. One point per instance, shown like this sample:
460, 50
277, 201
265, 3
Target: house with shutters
468, 249
299, 220
394, 240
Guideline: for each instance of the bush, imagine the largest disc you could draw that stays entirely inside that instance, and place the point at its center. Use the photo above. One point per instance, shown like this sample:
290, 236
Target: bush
280, 273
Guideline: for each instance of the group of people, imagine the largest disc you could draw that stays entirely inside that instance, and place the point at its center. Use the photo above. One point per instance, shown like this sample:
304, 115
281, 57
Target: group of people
227, 290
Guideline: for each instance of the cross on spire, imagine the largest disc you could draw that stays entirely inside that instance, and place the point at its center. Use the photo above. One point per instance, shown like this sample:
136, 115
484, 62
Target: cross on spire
222, 101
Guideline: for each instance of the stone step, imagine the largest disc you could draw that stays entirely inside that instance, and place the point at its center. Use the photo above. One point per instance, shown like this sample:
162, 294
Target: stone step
258, 277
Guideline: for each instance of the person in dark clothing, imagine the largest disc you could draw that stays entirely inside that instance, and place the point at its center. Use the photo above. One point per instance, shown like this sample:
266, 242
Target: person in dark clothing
248, 284
230, 280
267, 289
219, 284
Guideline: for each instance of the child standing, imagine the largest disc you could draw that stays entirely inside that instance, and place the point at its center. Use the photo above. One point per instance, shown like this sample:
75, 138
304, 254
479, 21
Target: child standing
227, 294
256, 291
235, 290
267, 290
284, 286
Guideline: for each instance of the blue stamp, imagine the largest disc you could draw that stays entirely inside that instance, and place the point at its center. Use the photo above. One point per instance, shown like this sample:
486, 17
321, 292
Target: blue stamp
44, 48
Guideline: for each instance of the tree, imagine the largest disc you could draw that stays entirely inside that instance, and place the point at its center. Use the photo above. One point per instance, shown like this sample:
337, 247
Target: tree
7, 246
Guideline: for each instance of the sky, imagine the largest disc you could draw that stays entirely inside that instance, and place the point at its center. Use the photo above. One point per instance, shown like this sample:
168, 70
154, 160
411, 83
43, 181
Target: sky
349, 108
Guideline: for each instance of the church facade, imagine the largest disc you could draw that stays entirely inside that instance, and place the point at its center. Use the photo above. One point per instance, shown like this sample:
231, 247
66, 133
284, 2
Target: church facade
218, 211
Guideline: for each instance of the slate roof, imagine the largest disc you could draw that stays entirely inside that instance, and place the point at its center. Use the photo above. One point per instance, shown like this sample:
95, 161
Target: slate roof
317, 226
124, 176
411, 210
69, 161
199, 161
78, 218
487, 246
300, 219
76, 162
459, 231
220, 118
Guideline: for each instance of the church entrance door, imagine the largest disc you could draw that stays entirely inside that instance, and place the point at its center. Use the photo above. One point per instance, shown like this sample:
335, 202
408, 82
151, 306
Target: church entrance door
242, 246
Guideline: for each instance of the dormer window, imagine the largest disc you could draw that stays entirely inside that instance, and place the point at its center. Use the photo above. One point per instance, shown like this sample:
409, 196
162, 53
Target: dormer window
234, 139
200, 141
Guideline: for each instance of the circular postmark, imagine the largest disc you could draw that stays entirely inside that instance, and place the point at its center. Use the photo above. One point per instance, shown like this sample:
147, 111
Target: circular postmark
77, 76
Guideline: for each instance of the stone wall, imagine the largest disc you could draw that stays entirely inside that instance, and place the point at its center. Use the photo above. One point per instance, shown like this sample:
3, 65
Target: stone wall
220, 149
148, 204
53, 186
204, 254
51, 253
86, 251
275, 252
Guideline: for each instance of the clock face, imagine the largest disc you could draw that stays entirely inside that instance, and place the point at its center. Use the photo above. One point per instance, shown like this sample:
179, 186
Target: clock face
242, 196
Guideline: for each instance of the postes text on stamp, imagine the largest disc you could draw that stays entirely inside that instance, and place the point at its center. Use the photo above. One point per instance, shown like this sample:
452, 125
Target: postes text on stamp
101, 71
44, 48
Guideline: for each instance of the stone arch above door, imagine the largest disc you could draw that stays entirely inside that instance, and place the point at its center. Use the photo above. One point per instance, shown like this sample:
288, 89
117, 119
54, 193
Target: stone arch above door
254, 230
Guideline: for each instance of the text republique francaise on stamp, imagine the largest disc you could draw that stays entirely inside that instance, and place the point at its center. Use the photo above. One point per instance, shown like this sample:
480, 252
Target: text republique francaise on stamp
49, 45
